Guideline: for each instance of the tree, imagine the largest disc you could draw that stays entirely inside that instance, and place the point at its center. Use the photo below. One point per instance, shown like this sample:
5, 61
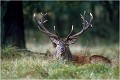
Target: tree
13, 25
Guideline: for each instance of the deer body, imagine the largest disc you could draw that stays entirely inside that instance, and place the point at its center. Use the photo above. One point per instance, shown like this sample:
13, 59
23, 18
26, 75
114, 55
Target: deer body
81, 59
99, 58
62, 44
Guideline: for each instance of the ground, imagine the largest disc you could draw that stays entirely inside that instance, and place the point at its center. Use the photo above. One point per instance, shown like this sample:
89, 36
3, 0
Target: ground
27, 65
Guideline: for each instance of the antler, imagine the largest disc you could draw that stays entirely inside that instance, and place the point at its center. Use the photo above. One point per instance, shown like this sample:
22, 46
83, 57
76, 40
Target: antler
40, 21
86, 25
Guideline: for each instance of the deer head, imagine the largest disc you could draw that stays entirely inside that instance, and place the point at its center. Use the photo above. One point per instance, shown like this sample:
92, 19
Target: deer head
62, 44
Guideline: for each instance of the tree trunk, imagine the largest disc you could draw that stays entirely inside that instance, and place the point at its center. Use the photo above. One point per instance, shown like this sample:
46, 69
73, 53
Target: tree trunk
13, 25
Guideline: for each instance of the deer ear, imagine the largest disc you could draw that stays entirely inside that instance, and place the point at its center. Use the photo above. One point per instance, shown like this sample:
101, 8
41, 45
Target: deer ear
54, 40
71, 40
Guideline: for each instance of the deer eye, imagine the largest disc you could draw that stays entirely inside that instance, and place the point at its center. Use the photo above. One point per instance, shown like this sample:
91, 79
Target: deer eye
66, 46
58, 44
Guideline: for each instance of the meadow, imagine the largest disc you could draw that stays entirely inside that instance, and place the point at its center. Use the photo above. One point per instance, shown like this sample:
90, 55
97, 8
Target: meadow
17, 64
35, 61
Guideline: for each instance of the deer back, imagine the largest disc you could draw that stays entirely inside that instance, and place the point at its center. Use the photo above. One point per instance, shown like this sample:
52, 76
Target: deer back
100, 59
82, 59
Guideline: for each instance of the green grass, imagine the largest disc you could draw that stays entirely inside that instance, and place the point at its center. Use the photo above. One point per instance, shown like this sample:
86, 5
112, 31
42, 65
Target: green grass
20, 65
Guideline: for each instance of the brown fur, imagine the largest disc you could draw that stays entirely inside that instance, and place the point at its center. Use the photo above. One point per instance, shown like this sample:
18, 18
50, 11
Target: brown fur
99, 58
81, 59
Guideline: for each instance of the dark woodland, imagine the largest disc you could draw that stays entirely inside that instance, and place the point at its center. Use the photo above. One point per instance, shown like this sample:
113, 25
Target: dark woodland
17, 16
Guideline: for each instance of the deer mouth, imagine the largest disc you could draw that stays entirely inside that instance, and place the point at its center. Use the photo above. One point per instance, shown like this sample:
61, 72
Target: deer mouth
62, 51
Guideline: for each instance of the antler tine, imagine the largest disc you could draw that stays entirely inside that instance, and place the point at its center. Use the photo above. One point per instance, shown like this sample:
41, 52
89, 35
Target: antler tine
56, 32
40, 22
91, 19
34, 16
89, 24
70, 32
86, 25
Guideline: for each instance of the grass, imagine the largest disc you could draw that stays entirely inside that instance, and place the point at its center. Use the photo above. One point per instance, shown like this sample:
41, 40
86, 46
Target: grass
20, 65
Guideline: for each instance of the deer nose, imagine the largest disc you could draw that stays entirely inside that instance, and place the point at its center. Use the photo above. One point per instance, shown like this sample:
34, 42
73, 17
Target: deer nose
62, 49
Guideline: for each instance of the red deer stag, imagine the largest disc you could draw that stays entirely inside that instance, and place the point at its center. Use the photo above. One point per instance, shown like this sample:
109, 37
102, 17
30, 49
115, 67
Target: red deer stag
62, 44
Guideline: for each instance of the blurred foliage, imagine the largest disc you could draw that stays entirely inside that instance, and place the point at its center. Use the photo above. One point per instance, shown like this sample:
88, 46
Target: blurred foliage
63, 14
